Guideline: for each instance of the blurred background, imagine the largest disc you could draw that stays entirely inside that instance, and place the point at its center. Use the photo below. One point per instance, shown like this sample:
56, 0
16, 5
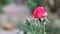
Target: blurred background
12, 11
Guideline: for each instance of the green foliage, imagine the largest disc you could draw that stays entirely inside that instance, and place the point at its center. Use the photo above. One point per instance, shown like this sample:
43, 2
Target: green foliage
34, 3
31, 26
4, 2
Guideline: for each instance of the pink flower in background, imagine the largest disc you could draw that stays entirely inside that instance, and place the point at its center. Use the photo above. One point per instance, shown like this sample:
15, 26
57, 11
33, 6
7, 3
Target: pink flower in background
40, 12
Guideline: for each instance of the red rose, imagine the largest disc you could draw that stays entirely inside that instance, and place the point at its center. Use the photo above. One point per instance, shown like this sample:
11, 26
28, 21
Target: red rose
40, 12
